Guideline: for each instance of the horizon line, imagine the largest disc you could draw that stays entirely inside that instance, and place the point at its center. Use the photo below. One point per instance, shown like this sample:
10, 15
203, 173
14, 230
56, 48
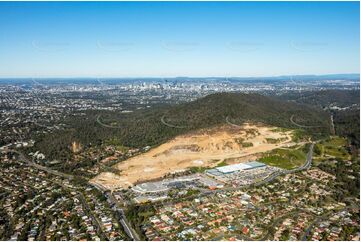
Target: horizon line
133, 77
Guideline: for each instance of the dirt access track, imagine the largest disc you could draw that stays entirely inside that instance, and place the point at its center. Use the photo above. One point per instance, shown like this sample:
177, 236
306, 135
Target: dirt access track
203, 148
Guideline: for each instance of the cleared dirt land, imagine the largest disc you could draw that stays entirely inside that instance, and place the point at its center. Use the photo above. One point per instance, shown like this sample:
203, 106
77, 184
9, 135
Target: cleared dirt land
204, 148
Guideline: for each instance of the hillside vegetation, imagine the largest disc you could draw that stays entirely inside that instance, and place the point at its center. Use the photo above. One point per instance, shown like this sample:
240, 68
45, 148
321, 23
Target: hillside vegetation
346, 119
145, 127
325, 98
347, 124
285, 158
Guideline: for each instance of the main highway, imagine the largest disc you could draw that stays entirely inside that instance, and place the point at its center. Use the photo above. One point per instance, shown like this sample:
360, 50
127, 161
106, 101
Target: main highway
118, 208
40, 167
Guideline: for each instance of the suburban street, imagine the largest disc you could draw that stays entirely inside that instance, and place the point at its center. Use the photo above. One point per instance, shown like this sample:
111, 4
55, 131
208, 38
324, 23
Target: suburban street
116, 205
40, 167
118, 208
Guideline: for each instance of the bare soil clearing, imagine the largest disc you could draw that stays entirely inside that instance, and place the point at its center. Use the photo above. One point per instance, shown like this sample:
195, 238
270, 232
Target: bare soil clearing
203, 148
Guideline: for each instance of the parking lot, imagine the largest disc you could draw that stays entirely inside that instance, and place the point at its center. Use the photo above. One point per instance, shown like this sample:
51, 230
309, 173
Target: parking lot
242, 177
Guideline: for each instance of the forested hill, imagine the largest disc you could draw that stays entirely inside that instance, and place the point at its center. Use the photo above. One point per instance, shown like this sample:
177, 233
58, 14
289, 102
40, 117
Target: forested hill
215, 108
325, 98
344, 105
157, 125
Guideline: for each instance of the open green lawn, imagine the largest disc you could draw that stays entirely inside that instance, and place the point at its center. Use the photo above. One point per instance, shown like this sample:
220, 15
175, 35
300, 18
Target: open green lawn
334, 146
285, 158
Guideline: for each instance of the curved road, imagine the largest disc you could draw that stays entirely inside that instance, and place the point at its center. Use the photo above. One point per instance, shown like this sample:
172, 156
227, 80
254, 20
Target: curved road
235, 125
171, 125
106, 125
40, 167
302, 126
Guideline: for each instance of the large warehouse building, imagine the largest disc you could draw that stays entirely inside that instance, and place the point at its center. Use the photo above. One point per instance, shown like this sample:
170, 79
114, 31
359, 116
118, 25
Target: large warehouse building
237, 167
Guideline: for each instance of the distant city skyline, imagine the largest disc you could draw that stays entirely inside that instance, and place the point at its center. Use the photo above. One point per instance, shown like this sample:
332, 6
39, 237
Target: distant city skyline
170, 39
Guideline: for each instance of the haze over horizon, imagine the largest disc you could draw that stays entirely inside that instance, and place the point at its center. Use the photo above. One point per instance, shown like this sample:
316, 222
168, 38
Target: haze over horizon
172, 39
201, 77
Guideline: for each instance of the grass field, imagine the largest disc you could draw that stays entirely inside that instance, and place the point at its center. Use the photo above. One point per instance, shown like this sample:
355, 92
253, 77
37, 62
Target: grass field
285, 158
333, 147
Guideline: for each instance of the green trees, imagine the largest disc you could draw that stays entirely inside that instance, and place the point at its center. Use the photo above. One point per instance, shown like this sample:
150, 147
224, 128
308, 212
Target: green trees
24, 233
7, 222
347, 123
317, 150
144, 127
347, 181
285, 235
138, 214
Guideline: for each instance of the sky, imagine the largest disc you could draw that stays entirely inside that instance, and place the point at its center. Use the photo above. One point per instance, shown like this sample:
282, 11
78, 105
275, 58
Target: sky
168, 39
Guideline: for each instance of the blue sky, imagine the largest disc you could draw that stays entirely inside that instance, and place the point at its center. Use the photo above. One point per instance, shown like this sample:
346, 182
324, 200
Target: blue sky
155, 39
